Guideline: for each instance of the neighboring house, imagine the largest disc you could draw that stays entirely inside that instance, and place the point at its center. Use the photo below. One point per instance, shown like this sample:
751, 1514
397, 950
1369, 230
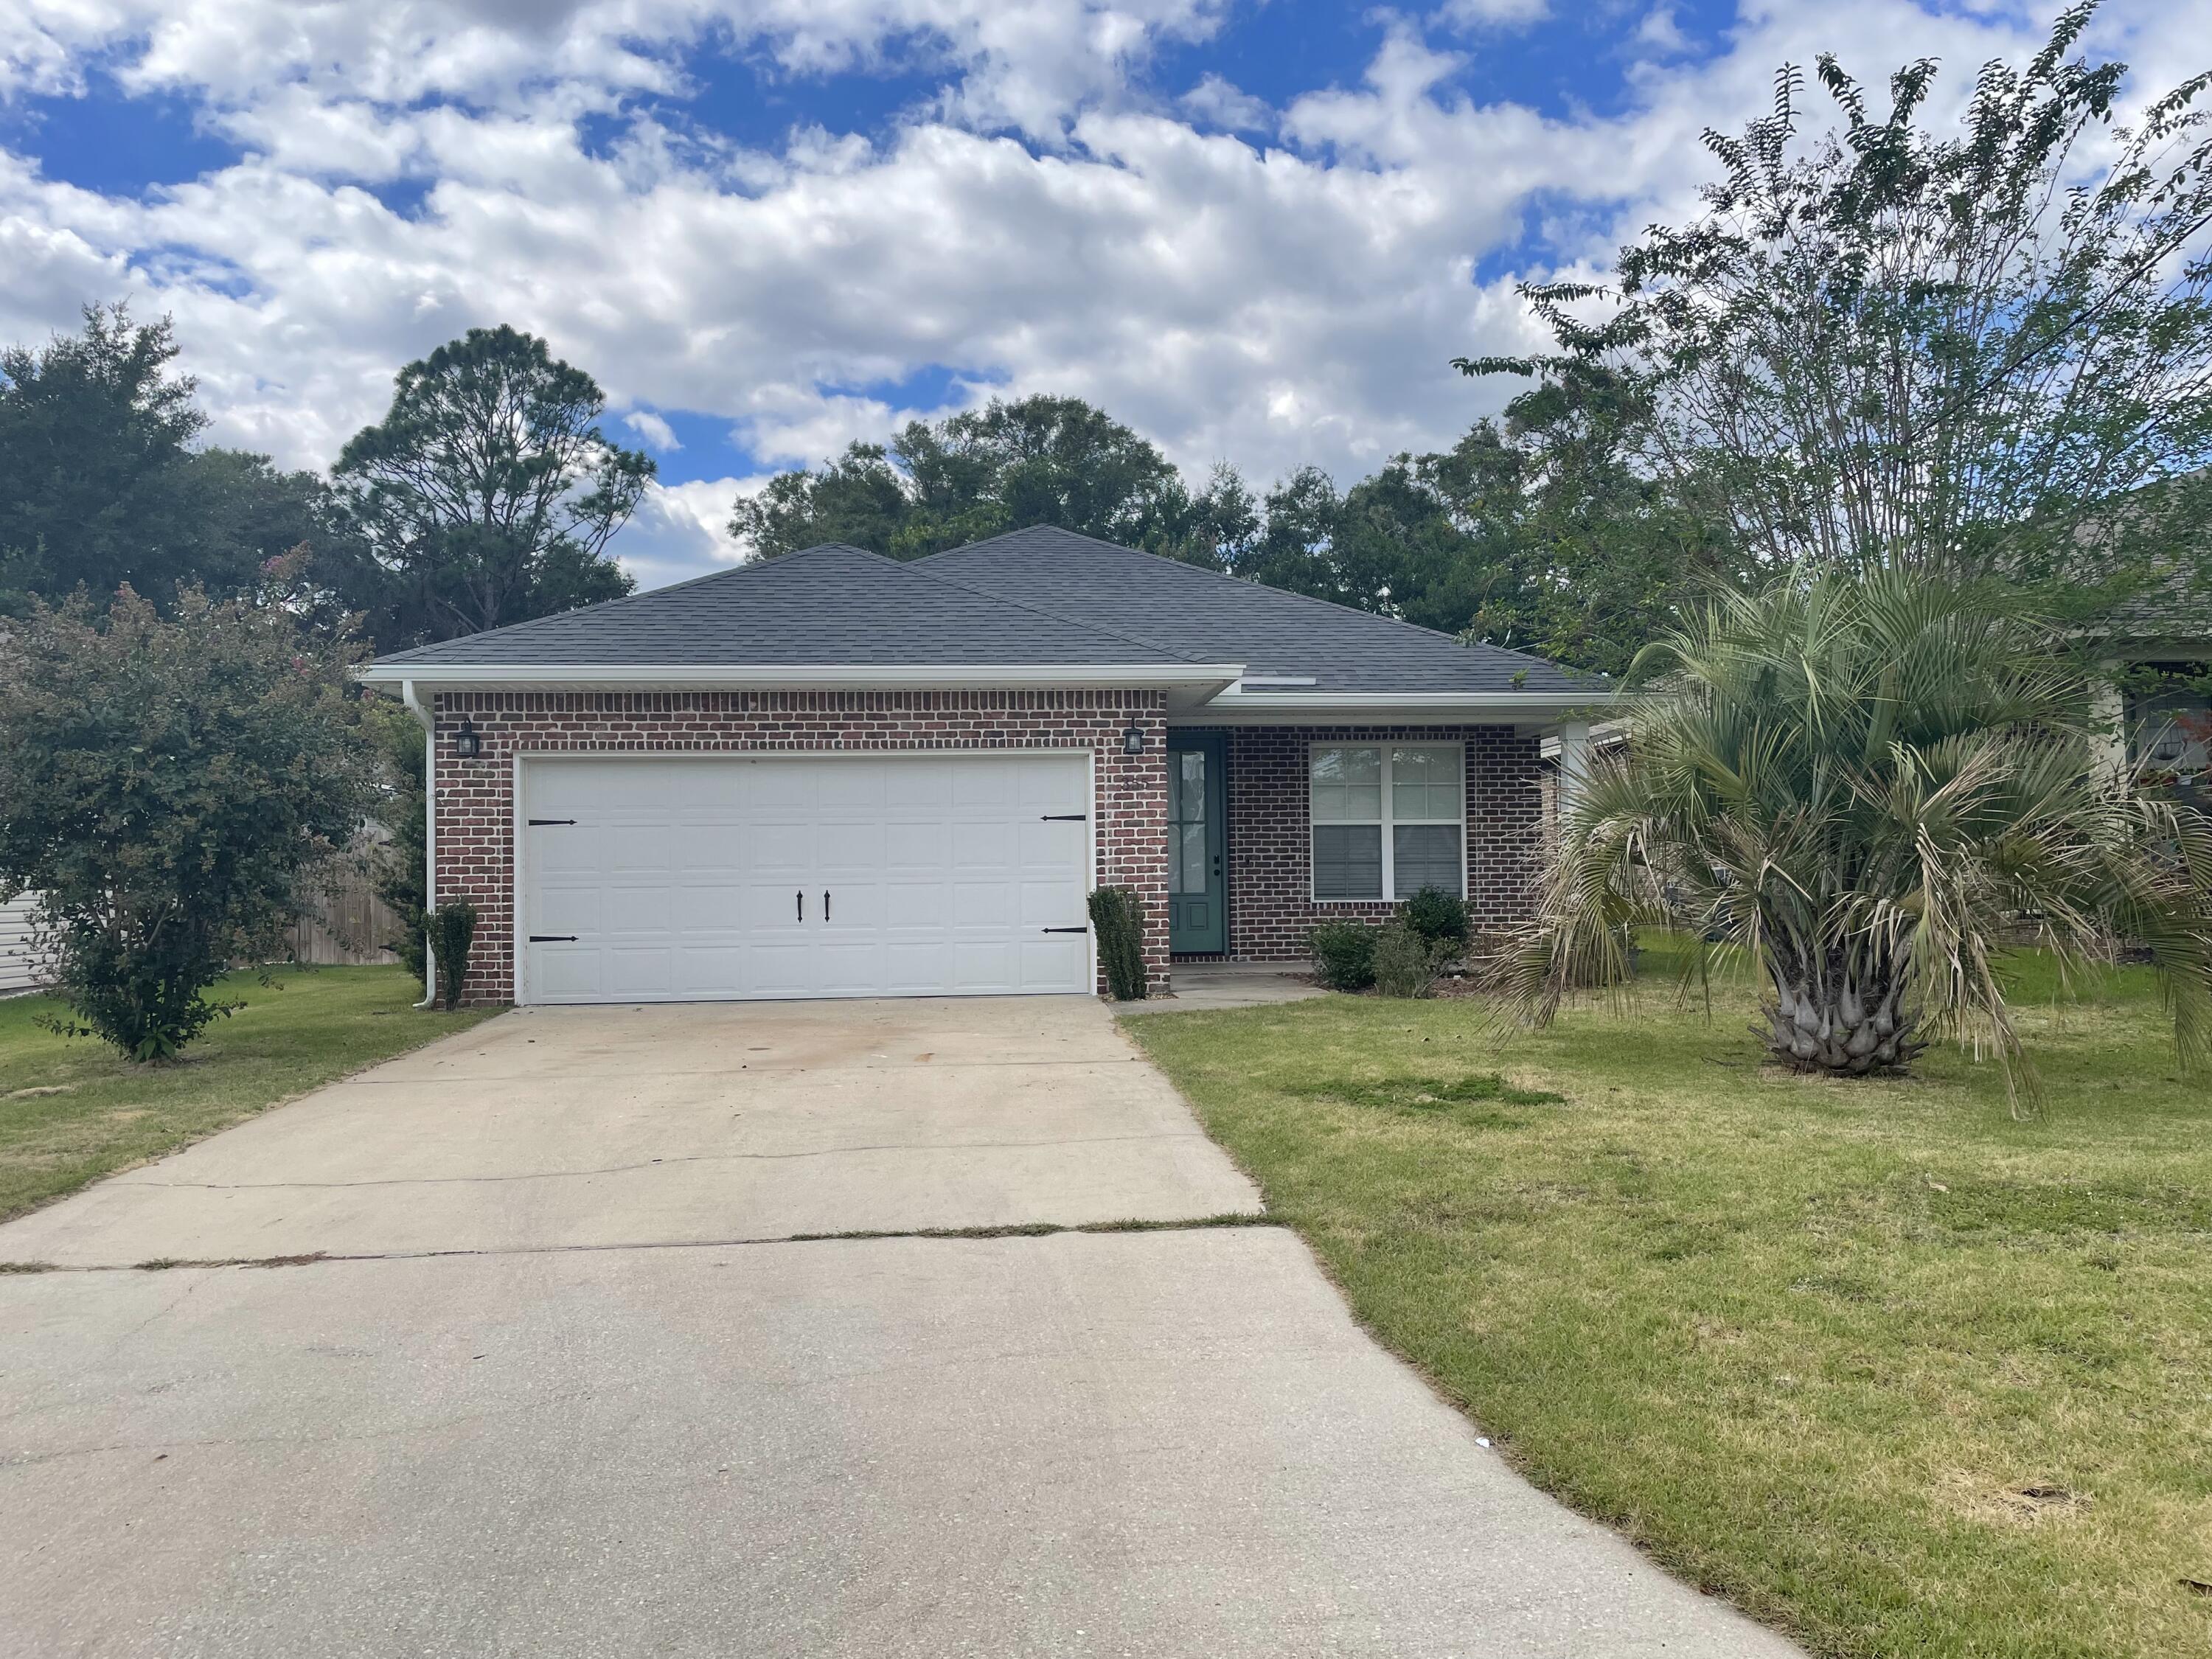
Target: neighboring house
834, 774
20, 969
2163, 639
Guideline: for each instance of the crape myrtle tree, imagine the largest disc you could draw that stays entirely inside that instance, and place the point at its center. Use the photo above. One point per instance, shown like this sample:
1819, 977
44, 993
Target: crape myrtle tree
1915, 376
170, 784
486, 495
1958, 354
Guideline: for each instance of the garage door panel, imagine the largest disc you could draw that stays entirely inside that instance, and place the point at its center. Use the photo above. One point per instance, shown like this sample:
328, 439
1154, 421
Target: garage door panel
640, 848
985, 966
847, 847
1049, 959
919, 848
682, 877
706, 972
640, 971
565, 910
561, 848
633, 909
917, 904
566, 971
987, 848
714, 908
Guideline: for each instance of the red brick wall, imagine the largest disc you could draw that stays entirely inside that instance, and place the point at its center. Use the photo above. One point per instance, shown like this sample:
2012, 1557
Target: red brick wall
475, 798
1270, 849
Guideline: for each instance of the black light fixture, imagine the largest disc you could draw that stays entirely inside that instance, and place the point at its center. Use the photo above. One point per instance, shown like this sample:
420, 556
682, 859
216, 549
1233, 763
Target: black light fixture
1132, 740
466, 744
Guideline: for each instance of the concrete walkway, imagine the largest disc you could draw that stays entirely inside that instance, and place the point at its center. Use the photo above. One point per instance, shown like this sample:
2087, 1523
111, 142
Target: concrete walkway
606, 1427
1230, 985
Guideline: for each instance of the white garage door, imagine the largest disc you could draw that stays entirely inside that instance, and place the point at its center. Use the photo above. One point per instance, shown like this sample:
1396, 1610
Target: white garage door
695, 879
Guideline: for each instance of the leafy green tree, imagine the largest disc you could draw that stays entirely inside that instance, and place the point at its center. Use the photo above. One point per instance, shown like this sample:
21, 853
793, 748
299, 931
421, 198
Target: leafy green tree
1872, 786
100, 483
170, 785
486, 495
1037, 460
1892, 348
399, 868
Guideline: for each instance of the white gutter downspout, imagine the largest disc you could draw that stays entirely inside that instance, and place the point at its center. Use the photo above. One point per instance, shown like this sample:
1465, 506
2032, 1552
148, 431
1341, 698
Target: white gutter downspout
429, 831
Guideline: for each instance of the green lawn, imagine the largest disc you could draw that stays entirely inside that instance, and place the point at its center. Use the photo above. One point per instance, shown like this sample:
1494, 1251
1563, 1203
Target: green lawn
1893, 1372
71, 1110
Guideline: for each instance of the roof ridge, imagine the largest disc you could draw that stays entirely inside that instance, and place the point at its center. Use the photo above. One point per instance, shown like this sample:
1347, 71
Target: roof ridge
1248, 583
727, 571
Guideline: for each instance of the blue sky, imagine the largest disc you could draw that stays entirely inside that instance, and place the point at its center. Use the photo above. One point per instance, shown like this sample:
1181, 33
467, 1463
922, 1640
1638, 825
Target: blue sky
1257, 232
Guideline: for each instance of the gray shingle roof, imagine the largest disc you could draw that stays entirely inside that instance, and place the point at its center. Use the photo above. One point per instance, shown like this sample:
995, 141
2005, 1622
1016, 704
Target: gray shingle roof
828, 605
1181, 608
1037, 597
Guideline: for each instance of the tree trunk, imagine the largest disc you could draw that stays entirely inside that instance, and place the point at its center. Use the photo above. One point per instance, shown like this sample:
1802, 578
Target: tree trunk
1839, 1018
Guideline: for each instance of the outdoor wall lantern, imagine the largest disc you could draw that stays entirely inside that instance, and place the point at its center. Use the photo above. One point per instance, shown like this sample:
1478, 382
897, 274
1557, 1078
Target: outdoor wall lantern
1132, 740
466, 744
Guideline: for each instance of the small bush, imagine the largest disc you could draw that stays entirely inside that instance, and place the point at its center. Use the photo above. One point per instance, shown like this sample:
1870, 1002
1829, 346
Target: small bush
1117, 917
1438, 917
1405, 962
452, 928
1344, 955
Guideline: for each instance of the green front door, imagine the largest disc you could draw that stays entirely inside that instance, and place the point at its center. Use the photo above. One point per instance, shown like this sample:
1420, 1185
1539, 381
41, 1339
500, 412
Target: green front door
1198, 917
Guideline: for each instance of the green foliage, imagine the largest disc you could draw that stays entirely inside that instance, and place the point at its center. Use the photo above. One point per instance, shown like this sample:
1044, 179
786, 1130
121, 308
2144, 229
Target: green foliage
1038, 460
1343, 954
1961, 354
451, 930
1117, 922
399, 868
1405, 961
1869, 787
1438, 916
169, 785
486, 495
100, 484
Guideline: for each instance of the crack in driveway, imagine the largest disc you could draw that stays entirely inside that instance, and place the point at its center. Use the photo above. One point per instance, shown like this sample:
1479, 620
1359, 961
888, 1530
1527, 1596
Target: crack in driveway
863, 1236
648, 1163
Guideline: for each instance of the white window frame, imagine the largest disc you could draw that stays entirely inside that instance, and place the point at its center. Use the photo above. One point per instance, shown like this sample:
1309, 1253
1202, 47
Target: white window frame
1388, 821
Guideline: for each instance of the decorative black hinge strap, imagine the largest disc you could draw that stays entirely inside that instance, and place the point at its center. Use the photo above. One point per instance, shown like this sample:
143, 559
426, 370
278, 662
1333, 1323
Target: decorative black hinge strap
552, 820
552, 938
1063, 930
1065, 818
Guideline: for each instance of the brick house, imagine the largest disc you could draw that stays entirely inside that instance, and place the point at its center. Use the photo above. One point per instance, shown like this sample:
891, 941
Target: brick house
835, 774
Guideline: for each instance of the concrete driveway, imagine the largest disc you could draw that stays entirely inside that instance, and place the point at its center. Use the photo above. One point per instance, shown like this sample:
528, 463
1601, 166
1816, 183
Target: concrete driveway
563, 1384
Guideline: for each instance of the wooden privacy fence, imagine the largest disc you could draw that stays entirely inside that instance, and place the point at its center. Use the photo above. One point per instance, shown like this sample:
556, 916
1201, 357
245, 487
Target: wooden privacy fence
346, 924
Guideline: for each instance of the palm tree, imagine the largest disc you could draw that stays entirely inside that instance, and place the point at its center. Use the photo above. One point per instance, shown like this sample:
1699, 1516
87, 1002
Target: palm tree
1872, 785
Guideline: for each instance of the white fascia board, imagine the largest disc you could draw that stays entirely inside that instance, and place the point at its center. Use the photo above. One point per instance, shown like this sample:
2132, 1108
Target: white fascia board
1534, 709
1204, 678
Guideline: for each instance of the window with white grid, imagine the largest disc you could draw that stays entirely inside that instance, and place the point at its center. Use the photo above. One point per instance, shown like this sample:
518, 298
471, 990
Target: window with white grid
1388, 818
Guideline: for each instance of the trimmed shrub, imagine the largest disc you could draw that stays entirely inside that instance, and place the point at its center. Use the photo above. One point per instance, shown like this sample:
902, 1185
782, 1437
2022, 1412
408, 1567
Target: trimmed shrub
1117, 917
1405, 962
1344, 955
452, 928
1438, 916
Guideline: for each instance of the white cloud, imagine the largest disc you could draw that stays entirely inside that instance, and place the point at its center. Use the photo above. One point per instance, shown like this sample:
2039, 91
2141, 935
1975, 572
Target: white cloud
1272, 303
1492, 13
681, 530
656, 432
